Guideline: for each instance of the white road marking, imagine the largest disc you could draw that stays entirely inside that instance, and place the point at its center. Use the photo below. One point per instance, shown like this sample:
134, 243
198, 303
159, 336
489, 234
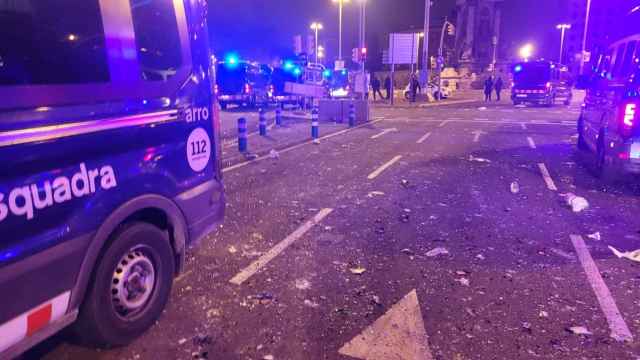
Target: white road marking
444, 123
382, 168
385, 131
477, 134
252, 269
524, 126
245, 163
480, 119
532, 143
423, 138
398, 334
547, 177
536, 122
619, 329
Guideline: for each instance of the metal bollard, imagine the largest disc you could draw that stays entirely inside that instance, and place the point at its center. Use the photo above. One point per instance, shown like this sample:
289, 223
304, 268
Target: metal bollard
263, 122
315, 132
242, 135
278, 117
352, 115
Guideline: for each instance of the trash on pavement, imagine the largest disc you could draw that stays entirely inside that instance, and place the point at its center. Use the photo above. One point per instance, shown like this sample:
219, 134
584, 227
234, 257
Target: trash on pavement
274, 154
543, 314
437, 251
250, 156
182, 341
463, 281
577, 203
316, 141
303, 284
232, 249
515, 187
407, 252
477, 159
595, 236
480, 257
311, 304
372, 194
405, 183
563, 254
579, 330
268, 357
482, 108
631, 255
358, 270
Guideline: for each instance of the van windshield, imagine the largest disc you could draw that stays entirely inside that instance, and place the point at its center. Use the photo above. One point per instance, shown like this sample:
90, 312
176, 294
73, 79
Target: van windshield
531, 74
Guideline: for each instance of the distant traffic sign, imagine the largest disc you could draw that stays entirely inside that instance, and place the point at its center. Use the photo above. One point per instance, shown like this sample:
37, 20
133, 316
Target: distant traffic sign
403, 49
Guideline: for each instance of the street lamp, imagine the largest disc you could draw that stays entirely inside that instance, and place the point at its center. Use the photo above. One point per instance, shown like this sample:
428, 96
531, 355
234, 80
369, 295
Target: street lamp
340, 5
526, 51
584, 36
563, 28
316, 26
363, 46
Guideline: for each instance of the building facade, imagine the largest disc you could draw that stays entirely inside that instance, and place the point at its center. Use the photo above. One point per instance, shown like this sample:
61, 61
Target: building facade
478, 33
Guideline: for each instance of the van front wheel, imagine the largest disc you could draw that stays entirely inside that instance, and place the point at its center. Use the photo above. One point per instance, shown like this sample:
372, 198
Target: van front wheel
130, 287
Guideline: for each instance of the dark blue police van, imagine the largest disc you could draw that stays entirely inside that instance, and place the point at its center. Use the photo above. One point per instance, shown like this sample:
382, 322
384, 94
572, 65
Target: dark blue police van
109, 163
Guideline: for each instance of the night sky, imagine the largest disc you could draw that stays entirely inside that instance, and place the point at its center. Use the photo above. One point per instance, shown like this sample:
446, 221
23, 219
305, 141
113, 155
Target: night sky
264, 29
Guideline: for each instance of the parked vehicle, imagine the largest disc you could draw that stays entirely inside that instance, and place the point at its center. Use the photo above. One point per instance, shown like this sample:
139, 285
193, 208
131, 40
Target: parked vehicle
432, 89
542, 83
109, 164
609, 125
242, 83
279, 78
338, 84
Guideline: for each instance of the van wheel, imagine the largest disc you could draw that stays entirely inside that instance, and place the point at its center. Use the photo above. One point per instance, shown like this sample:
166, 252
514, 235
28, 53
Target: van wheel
604, 171
582, 143
130, 286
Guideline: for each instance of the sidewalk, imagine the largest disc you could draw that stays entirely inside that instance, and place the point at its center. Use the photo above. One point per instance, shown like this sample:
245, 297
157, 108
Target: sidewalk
459, 97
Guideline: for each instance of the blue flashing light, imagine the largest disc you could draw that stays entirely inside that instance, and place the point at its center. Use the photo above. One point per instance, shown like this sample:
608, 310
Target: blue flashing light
288, 65
297, 71
326, 73
232, 60
344, 72
518, 68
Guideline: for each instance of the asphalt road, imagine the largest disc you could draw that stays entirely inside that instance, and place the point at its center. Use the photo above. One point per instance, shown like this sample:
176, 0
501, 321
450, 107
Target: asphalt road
433, 233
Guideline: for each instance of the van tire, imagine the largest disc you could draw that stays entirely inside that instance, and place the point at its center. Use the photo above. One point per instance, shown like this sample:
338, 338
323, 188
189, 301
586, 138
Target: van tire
582, 143
138, 250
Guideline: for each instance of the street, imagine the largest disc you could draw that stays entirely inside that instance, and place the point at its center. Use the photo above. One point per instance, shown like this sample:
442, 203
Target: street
436, 232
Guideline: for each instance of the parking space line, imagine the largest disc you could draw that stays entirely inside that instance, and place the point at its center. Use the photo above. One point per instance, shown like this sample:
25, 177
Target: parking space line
444, 123
619, 329
257, 265
382, 168
385, 131
547, 177
532, 144
423, 138
524, 126
477, 134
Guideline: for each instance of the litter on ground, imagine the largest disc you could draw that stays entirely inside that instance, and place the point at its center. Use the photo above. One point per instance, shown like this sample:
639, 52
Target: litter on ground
577, 203
631, 255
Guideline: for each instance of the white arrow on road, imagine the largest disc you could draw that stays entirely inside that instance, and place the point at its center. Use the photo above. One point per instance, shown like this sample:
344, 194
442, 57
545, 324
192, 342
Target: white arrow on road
399, 334
477, 134
385, 131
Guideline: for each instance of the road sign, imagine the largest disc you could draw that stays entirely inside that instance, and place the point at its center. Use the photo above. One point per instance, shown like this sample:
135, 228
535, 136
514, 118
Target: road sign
309, 90
339, 65
403, 48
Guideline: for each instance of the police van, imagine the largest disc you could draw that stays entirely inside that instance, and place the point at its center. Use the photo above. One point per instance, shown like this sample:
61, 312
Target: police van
109, 163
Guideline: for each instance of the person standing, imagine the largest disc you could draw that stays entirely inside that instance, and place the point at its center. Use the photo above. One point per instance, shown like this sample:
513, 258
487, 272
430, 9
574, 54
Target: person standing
488, 89
387, 86
375, 85
415, 87
498, 86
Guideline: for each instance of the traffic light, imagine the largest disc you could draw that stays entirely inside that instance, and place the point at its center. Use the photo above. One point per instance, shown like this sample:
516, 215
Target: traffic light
451, 29
433, 62
355, 55
363, 54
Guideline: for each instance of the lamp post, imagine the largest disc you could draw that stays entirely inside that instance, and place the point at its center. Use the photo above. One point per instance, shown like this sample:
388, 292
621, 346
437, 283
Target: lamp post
584, 36
424, 75
563, 28
316, 26
526, 52
340, 5
363, 47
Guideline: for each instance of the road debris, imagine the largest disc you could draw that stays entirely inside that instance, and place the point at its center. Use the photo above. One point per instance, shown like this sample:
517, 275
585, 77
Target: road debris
316, 141
404, 183
407, 252
274, 154
358, 270
250, 156
577, 203
543, 314
631, 255
515, 187
478, 159
595, 236
437, 252
463, 281
579, 330
232, 249
303, 284
373, 194
182, 341
268, 357
482, 108
311, 304
563, 254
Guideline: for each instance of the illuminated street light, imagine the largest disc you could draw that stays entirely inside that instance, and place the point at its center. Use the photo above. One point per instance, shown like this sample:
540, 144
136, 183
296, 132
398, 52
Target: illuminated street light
316, 26
72, 37
340, 5
563, 28
526, 52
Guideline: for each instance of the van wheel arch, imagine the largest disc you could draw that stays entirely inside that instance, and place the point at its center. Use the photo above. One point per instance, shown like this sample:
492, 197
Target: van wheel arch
154, 209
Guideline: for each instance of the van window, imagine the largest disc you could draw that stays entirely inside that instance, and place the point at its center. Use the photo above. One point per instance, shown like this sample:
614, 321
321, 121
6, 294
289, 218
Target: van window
619, 60
52, 42
157, 38
629, 58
